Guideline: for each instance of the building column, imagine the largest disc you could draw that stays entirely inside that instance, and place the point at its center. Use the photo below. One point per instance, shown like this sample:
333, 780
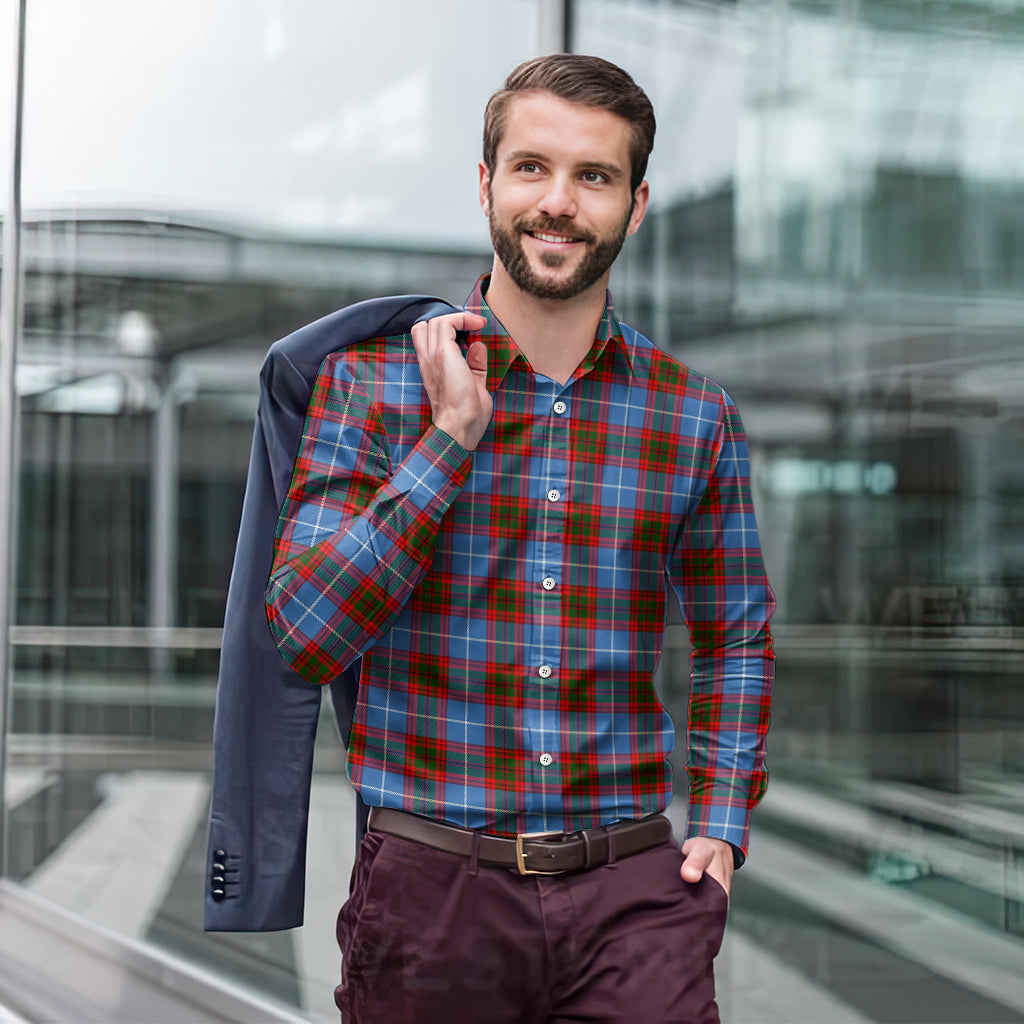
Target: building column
163, 542
554, 26
10, 329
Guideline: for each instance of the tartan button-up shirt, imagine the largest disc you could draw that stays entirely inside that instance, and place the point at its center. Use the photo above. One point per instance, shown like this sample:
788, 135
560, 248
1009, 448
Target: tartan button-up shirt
509, 604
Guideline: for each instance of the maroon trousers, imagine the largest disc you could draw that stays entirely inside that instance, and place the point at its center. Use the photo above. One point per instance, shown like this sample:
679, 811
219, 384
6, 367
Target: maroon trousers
432, 938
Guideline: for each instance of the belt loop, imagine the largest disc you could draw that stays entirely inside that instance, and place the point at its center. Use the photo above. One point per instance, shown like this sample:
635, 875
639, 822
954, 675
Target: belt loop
474, 853
610, 833
586, 849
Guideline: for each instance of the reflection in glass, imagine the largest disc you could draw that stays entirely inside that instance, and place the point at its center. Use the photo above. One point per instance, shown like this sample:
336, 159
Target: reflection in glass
836, 235
854, 278
201, 178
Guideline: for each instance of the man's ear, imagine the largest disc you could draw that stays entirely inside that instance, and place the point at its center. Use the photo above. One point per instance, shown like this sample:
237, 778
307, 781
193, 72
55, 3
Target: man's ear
485, 186
640, 199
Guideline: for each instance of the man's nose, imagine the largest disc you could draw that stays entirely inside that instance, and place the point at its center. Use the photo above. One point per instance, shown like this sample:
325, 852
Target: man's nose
559, 198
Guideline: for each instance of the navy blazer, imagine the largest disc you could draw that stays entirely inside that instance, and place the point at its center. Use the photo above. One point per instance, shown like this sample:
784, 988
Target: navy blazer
266, 714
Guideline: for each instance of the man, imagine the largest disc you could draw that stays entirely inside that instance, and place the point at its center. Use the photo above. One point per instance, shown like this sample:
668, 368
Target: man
488, 517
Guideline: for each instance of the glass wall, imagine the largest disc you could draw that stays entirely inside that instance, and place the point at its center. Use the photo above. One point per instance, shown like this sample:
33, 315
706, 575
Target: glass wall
199, 180
8, 24
836, 235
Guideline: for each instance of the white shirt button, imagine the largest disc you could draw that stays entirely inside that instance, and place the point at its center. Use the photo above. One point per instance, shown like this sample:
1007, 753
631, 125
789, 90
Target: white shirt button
545, 759
548, 583
544, 671
560, 407
553, 495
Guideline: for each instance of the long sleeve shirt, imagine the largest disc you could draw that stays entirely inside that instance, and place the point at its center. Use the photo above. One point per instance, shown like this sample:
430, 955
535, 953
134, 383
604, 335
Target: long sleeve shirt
509, 604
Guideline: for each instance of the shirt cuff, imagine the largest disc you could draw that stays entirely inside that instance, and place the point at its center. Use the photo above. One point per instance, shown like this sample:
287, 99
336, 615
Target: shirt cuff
727, 822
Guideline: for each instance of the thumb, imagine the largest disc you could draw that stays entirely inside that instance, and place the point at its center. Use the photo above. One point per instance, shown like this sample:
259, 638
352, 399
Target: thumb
691, 872
694, 864
476, 356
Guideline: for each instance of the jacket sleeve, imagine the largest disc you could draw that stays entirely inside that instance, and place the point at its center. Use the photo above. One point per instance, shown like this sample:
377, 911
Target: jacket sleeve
266, 714
263, 733
356, 532
719, 578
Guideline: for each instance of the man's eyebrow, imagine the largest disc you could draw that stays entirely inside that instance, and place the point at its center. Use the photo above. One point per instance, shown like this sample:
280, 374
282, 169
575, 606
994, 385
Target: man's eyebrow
522, 154
611, 170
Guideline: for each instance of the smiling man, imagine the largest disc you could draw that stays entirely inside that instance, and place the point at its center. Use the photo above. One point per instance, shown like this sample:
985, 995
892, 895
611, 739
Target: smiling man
564, 221
488, 513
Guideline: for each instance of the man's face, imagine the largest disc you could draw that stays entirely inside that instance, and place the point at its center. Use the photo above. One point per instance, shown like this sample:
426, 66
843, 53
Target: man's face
559, 202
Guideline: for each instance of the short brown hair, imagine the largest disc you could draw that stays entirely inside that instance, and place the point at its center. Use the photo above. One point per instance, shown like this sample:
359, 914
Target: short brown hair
577, 78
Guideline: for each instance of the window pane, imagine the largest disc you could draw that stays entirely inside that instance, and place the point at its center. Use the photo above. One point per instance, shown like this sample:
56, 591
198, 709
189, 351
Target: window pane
201, 177
836, 236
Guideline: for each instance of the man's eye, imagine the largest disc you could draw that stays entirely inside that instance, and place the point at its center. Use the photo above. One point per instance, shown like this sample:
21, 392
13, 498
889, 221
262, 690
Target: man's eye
593, 177
529, 168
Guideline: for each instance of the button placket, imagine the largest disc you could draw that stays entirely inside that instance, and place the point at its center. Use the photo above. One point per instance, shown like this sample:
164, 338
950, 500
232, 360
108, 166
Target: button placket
553, 471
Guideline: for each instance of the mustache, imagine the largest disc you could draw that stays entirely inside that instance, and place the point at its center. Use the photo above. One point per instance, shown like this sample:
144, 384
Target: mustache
552, 226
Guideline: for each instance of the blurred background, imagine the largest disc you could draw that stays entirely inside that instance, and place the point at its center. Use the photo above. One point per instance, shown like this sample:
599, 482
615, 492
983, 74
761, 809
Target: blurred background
836, 235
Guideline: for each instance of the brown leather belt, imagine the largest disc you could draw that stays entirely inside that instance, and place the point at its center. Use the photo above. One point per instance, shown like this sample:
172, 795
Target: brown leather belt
530, 853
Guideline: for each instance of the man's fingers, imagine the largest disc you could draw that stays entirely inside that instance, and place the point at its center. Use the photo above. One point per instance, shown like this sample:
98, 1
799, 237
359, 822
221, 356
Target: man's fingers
472, 321
447, 325
704, 855
432, 338
456, 387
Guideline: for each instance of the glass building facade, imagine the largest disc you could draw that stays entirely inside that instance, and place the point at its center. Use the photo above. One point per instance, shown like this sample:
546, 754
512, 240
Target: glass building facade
836, 235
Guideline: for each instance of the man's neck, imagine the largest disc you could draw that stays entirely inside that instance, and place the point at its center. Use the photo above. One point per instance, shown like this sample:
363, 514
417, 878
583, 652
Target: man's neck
553, 334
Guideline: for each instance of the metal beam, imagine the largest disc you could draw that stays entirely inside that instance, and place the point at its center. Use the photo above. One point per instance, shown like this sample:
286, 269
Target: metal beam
554, 26
163, 518
10, 318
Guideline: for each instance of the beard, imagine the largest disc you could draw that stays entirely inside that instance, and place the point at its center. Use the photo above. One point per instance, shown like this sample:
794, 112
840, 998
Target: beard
599, 255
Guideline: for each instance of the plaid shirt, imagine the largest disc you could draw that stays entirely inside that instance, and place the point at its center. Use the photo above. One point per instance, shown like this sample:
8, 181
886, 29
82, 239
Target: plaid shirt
509, 604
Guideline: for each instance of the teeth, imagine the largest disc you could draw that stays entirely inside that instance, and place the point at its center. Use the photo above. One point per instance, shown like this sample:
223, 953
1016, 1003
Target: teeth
551, 238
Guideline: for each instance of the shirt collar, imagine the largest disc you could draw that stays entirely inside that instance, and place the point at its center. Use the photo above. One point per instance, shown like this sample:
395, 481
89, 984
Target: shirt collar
502, 351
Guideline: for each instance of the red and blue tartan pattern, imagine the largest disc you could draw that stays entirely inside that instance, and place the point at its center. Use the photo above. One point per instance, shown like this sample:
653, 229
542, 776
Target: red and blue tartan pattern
509, 604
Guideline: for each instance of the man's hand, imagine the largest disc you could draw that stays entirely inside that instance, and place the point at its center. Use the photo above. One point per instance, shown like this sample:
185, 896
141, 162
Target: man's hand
457, 387
711, 855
